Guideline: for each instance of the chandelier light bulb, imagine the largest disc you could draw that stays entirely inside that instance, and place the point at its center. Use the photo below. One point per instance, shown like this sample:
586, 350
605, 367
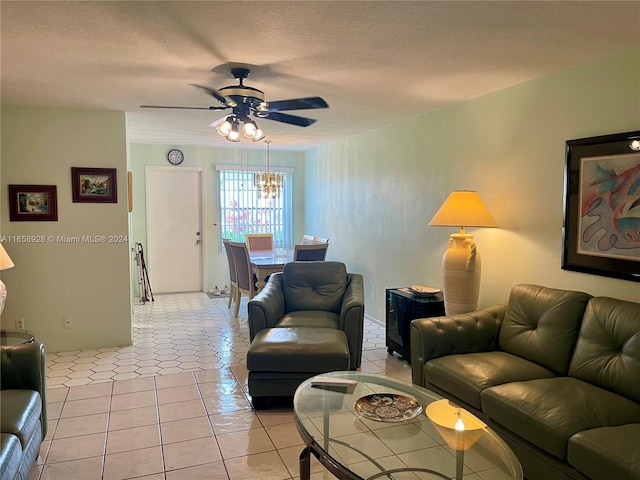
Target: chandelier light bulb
268, 184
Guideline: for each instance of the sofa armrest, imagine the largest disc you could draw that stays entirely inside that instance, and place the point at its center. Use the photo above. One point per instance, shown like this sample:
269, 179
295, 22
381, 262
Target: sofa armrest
266, 307
352, 316
24, 367
463, 333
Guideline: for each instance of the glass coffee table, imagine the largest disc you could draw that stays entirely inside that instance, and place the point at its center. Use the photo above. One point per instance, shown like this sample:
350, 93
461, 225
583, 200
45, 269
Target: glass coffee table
16, 337
380, 427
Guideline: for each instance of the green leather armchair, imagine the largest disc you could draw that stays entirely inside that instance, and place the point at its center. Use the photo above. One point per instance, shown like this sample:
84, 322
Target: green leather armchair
309, 319
23, 408
312, 294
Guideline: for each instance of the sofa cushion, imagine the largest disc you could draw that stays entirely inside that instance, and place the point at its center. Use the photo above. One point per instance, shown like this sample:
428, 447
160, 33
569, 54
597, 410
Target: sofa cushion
298, 350
547, 412
20, 413
314, 286
10, 455
606, 453
310, 318
541, 324
607, 353
467, 375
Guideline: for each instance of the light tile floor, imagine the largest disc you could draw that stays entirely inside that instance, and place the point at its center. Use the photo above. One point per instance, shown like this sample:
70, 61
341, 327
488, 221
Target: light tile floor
174, 405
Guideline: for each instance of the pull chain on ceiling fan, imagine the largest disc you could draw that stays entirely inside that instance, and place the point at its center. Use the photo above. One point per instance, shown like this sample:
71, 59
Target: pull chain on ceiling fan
245, 101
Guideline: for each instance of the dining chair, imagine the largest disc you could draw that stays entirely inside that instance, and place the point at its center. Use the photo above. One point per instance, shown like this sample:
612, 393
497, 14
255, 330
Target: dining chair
259, 242
310, 253
232, 271
319, 240
244, 275
307, 240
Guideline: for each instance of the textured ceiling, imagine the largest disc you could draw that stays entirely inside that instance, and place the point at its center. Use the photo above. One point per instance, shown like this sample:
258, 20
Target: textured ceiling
374, 62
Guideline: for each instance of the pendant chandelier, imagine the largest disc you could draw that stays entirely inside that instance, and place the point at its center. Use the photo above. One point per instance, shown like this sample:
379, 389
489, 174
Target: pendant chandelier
268, 184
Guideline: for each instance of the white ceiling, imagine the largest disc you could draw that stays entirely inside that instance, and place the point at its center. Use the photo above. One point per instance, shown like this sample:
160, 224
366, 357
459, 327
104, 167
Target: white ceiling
374, 62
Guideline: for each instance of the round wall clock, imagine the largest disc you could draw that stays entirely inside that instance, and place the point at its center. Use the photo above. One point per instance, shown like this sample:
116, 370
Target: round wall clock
175, 156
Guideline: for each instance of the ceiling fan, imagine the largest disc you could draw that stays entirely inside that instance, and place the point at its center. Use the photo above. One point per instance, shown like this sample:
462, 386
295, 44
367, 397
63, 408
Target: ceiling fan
245, 101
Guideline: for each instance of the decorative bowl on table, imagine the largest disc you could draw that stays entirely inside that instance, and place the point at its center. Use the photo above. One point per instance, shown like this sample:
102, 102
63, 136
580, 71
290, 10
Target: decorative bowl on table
420, 291
388, 407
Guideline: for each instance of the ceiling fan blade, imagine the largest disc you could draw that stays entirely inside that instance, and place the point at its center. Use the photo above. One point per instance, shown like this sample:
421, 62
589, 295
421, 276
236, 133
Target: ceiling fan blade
286, 118
184, 108
215, 94
297, 104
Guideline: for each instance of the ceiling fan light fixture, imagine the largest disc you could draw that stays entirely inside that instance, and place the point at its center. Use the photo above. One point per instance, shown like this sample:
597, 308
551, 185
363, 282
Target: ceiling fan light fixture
249, 129
234, 134
259, 135
243, 101
224, 128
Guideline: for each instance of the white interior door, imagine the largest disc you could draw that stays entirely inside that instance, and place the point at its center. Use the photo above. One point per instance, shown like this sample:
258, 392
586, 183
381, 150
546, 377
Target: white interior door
174, 229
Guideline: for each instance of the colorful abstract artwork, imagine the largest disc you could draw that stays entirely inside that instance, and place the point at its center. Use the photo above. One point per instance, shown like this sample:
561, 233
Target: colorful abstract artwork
601, 233
610, 206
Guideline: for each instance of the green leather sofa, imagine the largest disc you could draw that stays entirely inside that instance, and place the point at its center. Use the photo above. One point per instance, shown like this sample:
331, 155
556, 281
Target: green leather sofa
23, 413
556, 373
308, 319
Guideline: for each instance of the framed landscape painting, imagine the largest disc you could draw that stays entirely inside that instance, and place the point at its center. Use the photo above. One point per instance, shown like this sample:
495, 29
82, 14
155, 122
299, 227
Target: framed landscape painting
33, 203
602, 206
94, 185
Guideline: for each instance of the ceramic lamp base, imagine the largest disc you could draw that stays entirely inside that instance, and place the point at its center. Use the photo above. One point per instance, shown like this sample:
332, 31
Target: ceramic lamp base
3, 295
461, 269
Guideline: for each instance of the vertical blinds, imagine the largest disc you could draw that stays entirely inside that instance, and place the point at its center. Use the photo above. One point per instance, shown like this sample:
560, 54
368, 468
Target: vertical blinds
242, 212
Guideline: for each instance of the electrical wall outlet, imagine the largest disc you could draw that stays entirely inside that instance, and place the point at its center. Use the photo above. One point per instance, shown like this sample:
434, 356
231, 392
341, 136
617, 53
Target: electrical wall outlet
20, 323
67, 321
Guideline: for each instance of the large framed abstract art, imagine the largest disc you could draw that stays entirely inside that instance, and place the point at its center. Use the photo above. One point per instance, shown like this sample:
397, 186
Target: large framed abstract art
602, 206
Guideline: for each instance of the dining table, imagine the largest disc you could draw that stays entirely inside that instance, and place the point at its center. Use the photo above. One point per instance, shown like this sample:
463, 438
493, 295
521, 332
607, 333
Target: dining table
265, 263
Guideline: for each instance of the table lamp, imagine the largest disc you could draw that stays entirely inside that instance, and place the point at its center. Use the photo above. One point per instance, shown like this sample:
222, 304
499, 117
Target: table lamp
461, 266
5, 263
459, 429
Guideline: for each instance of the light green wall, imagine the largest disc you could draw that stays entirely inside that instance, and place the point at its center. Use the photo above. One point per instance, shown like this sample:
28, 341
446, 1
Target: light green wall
373, 194
50, 280
217, 269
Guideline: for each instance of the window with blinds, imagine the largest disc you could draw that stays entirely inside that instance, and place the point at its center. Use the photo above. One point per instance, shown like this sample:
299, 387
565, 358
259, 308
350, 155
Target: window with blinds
242, 211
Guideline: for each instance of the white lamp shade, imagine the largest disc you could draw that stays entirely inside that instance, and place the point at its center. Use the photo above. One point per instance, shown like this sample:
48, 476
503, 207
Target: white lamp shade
5, 259
5, 262
446, 417
463, 208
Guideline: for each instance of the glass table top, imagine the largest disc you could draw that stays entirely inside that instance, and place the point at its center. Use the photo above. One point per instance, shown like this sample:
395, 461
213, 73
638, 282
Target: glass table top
16, 337
381, 427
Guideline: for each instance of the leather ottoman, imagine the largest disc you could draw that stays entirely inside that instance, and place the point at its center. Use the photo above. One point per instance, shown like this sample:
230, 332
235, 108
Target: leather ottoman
281, 358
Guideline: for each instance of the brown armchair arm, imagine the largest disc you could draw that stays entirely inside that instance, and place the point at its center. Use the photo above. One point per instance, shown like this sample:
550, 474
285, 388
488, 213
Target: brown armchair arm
464, 333
24, 367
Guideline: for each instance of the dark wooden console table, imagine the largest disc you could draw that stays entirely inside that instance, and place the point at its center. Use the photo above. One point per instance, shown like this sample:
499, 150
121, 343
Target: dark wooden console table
402, 307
